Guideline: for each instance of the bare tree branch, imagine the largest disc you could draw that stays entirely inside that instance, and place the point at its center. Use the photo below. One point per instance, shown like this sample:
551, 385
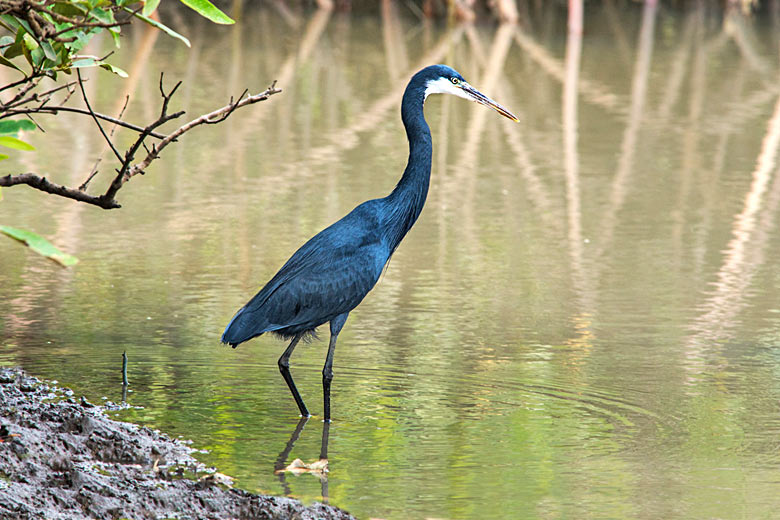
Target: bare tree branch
128, 170
94, 117
205, 118
43, 184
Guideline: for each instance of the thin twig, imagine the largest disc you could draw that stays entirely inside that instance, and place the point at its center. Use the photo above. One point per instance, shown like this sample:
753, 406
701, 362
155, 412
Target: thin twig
122, 175
18, 101
92, 174
235, 106
54, 110
94, 117
121, 113
19, 82
262, 96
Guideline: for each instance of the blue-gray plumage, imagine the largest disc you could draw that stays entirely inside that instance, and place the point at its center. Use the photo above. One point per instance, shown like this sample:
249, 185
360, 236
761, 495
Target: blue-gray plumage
331, 273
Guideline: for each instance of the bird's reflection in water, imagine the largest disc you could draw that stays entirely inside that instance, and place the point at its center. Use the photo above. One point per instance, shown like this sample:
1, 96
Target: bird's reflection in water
318, 468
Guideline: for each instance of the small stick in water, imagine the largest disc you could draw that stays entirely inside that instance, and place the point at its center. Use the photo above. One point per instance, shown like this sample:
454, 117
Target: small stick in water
124, 368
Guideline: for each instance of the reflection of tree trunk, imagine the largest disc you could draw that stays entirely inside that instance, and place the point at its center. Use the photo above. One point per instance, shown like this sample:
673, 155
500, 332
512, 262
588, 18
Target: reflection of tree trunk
392, 33
506, 10
620, 184
735, 27
502, 41
346, 138
571, 158
744, 252
590, 91
439, 178
290, 18
691, 164
140, 62
711, 187
234, 145
616, 24
465, 177
671, 93
539, 194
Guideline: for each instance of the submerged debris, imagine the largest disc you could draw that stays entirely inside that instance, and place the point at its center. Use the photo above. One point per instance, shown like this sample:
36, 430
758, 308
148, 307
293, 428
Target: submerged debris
65, 459
298, 467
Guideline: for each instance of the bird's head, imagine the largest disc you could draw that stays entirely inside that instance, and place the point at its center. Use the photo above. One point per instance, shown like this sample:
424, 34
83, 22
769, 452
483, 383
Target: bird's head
441, 79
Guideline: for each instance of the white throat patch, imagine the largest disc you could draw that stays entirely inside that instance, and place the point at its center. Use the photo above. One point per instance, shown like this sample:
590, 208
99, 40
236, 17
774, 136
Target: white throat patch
444, 86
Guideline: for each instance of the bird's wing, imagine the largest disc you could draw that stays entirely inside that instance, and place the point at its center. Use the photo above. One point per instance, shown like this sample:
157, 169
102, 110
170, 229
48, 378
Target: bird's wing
328, 276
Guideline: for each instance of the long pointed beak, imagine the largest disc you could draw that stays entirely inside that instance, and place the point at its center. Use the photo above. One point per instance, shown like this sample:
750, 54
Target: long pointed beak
482, 99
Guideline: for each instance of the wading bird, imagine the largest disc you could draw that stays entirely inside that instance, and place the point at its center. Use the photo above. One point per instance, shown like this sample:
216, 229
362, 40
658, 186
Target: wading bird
331, 273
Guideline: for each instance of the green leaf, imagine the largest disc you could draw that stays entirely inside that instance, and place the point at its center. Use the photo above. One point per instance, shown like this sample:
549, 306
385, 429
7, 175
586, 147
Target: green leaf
10, 21
3, 156
28, 29
102, 16
115, 35
9, 63
37, 57
40, 245
83, 62
150, 6
158, 25
82, 39
68, 9
6, 40
116, 70
208, 10
48, 50
15, 143
29, 41
14, 126
26, 53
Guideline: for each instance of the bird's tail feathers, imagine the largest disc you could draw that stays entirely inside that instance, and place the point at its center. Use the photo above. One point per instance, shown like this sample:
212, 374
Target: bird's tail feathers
239, 330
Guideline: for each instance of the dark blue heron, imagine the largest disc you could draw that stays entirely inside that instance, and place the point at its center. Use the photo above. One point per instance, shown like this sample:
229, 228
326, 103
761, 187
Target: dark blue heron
331, 273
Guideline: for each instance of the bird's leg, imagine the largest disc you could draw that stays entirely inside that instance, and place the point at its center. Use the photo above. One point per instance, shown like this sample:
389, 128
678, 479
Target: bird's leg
284, 368
327, 371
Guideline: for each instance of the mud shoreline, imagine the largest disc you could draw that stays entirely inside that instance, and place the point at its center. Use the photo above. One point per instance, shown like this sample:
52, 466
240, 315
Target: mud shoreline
63, 458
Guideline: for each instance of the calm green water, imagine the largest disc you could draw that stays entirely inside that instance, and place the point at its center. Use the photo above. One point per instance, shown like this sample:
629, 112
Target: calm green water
584, 323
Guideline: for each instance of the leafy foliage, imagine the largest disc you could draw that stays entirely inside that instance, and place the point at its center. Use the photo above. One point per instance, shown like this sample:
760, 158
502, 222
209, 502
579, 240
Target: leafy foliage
49, 35
40, 245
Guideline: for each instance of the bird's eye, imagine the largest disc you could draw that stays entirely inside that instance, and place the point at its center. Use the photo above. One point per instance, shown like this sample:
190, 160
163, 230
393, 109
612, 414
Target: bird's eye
455, 81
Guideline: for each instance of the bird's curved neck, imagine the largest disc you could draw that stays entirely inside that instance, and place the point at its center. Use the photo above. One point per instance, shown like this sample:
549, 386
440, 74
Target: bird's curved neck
408, 197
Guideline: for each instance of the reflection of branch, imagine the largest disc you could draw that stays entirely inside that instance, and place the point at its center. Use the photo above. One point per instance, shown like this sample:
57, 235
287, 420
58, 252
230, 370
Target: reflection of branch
393, 36
631, 133
740, 261
571, 157
679, 66
734, 26
128, 170
345, 138
591, 91
493, 72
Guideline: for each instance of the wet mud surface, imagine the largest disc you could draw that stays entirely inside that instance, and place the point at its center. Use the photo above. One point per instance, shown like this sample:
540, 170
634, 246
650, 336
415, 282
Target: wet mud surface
62, 457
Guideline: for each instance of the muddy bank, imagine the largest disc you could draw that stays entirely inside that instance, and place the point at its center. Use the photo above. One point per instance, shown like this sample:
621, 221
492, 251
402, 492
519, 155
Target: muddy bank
63, 458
